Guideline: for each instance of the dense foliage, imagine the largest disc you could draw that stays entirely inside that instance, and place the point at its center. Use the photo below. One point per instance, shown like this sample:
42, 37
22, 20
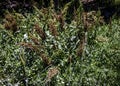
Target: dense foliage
40, 48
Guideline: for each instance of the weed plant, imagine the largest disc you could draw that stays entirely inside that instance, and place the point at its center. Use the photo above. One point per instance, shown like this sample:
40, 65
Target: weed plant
41, 49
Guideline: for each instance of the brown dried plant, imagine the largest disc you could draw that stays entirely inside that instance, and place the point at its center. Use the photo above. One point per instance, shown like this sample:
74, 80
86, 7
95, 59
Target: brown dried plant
59, 17
91, 18
10, 23
88, 21
37, 48
51, 73
45, 59
9, 17
29, 46
53, 29
34, 39
40, 31
80, 48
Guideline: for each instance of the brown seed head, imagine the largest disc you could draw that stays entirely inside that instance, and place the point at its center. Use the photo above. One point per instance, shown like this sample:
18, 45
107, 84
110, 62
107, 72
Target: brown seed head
53, 29
45, 59
51, 73
34, 39
10, 23
9, 17
59, 17
40, 32
80, 48
29, 46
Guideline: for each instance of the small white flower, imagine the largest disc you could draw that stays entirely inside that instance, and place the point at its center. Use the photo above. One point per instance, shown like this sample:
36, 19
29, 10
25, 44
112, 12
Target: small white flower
25, 36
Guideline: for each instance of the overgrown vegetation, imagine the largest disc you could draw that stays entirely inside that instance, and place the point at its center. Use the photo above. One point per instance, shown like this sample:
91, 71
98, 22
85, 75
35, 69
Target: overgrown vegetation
41, 49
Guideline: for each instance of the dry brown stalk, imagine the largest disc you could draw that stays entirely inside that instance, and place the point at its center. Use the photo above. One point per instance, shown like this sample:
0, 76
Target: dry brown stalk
9, 17
35, 39
87, 25
90, 19
10, 23
29, 46
80, 48
45, 59
59, 17
87, 20
51, 73
40, 31
53, 29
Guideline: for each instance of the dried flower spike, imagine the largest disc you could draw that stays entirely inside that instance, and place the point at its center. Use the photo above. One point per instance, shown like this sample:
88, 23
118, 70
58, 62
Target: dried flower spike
40, 32
45, 59
10, 23
80, 48
60, 18
51, 73
53, 29
29, 46
34, 39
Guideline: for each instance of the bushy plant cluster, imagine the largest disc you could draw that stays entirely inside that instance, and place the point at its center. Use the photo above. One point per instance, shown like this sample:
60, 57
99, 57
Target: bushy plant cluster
41, 49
